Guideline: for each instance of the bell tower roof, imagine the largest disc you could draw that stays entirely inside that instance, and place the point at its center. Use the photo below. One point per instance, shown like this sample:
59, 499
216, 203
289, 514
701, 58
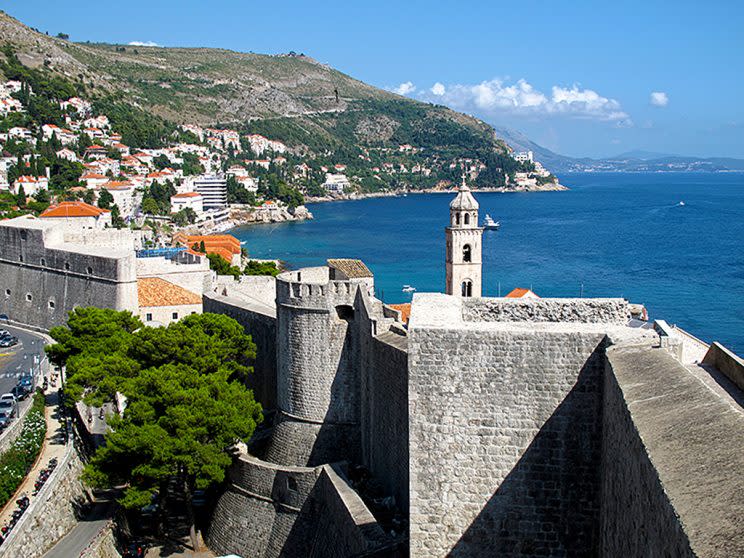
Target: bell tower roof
464, 199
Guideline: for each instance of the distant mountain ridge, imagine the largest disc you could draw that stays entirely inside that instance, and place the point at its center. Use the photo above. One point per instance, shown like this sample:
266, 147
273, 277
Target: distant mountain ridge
631, 161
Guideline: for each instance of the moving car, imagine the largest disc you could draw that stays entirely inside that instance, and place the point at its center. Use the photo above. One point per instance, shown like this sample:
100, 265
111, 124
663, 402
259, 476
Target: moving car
20, 392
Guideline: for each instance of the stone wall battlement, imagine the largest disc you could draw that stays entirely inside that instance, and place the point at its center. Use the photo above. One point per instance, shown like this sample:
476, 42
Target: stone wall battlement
573, 310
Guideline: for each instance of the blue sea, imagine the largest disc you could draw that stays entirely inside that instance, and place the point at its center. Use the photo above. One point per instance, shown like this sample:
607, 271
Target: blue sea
674, 242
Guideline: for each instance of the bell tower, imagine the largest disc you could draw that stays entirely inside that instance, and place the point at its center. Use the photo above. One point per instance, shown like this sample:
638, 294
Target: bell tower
464, 241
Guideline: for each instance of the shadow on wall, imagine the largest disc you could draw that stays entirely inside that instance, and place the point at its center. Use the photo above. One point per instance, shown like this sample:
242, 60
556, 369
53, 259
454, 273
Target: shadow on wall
548, 505
339, 440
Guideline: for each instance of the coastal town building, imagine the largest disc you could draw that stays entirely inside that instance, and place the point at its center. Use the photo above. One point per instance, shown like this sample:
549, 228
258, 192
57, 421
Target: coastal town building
213, 189
31, 184
336, 183
524, 157
78, 215
162, 302
190, 200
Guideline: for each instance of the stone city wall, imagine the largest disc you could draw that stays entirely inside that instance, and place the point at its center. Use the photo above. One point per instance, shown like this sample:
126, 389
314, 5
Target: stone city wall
583, 310
42, 284
504, 441
52, 513
726, 362
318, 368
637, 517
671, 455
385, 414
260, 323
270, 510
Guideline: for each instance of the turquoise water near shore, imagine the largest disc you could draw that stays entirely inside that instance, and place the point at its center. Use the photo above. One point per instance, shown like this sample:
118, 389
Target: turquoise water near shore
616, 234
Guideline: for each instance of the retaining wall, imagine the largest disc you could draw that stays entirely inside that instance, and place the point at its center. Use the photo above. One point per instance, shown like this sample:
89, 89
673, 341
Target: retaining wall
51, 513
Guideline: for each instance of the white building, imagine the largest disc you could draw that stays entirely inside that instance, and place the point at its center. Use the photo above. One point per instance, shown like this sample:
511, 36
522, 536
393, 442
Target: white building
523, 157
79, 215
213, 189
123, 193
192, 200
248, 182
336, 183
31, 184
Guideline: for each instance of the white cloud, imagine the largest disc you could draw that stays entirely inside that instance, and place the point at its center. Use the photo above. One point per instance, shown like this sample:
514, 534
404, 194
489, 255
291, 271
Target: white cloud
405, 88
497, 96
143, 43
659, 99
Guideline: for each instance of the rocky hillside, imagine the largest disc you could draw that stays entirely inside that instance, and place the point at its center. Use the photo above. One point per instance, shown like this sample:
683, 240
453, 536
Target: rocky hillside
292, 98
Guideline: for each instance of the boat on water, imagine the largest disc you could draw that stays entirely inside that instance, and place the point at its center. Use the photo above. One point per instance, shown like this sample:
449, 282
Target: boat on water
490, 224
681, 203
408, 289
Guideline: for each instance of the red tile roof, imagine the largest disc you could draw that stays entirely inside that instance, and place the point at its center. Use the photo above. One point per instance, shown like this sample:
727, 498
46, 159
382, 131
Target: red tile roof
154, 291
520, 293
404, 309
74, 209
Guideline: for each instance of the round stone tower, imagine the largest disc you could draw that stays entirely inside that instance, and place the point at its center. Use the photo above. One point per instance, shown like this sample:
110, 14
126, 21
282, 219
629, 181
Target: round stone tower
464, 243
318, 380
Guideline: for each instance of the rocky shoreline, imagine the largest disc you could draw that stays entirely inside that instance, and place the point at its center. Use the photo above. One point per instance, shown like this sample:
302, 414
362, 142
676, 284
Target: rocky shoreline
552, 187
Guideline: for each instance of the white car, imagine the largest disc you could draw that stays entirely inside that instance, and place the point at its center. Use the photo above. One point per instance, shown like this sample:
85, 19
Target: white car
7, 405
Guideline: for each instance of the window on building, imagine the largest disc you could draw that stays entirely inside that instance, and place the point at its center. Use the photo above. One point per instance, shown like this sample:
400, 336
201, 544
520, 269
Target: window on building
148, 317
29, 298
7, 292
51, 304
43, 262
90, 270
467, 253
467, 288
67, 266
457, 218
174, 315
23, 235
20, 258
467, 218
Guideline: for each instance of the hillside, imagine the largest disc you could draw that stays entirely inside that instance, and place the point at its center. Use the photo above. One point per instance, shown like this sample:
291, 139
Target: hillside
313, 108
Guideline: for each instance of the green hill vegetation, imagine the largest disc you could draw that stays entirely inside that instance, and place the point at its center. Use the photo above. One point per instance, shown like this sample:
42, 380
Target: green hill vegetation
319, 112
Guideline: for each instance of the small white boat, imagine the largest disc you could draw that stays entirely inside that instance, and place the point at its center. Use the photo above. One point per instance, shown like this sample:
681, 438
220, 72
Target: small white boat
408, 289
490, 224
681, 203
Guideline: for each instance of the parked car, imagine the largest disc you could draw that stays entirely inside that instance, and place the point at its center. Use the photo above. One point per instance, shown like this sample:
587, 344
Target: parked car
20, 392
8, 405
4, 422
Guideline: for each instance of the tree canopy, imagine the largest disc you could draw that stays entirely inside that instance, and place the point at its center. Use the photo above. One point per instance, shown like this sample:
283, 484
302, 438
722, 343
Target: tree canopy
187, 403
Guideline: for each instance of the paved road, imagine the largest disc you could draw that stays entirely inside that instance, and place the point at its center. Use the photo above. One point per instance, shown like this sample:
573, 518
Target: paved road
21, 359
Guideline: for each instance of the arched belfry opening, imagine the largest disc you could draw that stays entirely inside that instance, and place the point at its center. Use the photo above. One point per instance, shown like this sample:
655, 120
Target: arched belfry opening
467, 253
466, 288
467, 218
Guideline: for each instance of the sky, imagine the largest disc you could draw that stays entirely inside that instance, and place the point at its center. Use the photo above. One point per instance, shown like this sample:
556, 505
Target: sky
581, 78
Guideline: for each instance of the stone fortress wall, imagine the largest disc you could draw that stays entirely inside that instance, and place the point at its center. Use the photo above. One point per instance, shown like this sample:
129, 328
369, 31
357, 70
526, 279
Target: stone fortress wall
44, 277
500, 427
284, 498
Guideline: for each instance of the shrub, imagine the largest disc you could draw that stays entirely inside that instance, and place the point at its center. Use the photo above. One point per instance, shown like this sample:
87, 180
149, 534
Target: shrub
20, 457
